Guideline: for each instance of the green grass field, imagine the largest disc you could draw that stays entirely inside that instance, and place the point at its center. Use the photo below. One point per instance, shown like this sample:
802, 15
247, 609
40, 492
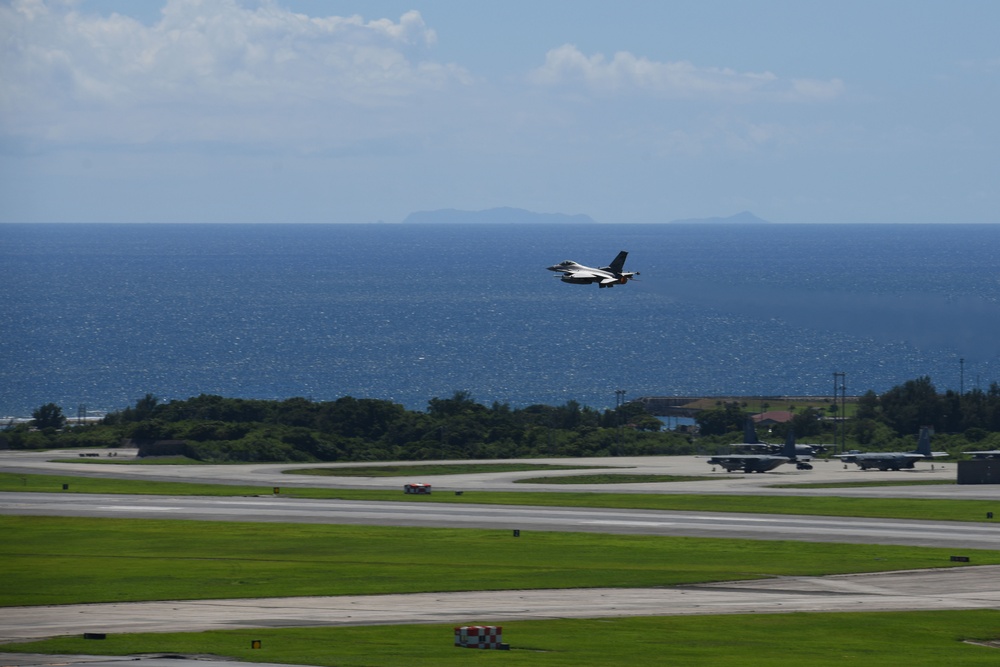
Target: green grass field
915, 639
51, 560
56, 560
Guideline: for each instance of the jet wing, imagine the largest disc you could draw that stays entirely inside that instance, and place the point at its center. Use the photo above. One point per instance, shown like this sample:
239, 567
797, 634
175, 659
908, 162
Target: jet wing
586, 274
748, 462
757, 448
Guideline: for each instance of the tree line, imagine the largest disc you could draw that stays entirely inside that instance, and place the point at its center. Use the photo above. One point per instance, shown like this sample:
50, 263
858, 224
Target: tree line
887, 421
218, 429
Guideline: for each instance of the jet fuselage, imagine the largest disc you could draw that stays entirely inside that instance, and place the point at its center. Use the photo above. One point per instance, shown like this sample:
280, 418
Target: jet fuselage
606, 276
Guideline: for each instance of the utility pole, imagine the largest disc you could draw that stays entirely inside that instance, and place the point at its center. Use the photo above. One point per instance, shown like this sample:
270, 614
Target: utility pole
843, 406
843, 412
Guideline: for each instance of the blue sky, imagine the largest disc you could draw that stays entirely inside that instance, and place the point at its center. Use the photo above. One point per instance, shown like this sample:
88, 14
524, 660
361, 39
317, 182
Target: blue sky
296, 111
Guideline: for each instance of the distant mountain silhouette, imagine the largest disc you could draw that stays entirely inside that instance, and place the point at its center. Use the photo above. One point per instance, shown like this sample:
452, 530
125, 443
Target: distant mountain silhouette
746, 217
502, 215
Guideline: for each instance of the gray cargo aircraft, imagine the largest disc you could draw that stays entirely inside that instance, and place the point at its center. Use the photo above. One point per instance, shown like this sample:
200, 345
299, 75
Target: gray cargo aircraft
987, 454
895, 460
762, 462
606, 276
752, 443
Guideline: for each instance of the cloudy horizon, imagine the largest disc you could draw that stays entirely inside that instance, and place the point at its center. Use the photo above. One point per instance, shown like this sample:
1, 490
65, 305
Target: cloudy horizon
271, 111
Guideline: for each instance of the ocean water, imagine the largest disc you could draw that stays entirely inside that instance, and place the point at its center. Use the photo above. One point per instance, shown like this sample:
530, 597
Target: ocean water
100, 315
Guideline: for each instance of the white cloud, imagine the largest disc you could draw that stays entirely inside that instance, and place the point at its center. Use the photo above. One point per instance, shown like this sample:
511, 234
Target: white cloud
567, 66
206, 71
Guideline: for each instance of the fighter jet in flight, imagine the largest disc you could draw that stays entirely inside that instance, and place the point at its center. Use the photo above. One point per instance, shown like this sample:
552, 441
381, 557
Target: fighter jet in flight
606, 276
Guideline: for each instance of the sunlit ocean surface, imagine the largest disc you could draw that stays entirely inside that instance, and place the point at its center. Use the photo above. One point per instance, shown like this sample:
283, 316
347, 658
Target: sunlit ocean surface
101, 315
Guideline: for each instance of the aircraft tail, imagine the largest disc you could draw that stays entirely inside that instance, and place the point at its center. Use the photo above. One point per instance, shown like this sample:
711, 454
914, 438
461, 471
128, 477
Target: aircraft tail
924, 442
750, 433
789, 449
619, 262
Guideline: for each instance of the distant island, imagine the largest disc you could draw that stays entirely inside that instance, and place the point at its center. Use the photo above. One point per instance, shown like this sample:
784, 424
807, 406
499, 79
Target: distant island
746, 217
506, 215
502, 215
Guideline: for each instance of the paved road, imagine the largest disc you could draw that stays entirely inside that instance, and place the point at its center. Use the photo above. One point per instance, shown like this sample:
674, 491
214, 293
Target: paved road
958, 588
719, 482
947, 589
947, 534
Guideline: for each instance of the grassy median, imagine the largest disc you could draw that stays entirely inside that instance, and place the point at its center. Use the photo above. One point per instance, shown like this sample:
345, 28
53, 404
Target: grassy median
56, 560
914, 639
52, 560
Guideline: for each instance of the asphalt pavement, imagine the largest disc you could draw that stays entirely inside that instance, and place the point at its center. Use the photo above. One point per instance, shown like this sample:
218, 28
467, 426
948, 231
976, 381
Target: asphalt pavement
948, 588
718, 482
277, 509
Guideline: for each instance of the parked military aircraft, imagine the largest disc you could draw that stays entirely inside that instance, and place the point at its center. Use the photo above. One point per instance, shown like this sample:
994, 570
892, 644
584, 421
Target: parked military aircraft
762, 462
752, 443
895, 460
606, 276
987, 454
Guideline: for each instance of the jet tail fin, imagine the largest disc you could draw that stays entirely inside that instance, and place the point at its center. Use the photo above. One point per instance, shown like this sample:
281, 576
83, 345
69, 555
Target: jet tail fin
750, 433
924, 442
789, 449
619, 262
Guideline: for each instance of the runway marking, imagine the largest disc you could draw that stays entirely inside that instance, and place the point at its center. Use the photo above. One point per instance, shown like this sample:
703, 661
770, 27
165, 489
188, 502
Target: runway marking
734, 518
138, 508
625, 523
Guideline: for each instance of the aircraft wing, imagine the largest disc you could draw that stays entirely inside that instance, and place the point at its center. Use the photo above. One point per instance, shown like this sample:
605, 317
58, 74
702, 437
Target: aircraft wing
586, 274
747, 457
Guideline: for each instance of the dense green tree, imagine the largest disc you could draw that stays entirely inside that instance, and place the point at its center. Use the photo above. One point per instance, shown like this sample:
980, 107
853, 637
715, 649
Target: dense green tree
48, 416
867, 406
806, 423
719, 421
349, 429
911, 405
150, 429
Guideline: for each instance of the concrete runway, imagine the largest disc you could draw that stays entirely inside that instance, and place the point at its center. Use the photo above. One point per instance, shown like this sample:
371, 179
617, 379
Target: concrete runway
277, 509
948, 588
274, 474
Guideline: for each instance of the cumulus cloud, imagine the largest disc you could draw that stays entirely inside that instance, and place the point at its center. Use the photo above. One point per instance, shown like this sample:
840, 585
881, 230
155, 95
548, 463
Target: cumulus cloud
567, 66
205, 71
